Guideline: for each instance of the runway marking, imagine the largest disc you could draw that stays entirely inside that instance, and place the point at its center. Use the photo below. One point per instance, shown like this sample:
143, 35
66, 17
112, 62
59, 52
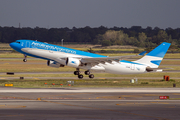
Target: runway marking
52, 96
88, 100
174, 99
136, 103
171, 107
11, 97
11, 106
152, 95
123, 96
159, 102
110, 97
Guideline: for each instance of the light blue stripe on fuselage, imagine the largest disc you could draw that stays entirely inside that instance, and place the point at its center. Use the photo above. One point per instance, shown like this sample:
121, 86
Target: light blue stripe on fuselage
45, 46
124, 61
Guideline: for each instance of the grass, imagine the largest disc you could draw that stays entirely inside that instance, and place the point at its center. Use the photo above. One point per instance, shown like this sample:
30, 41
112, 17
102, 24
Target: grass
11, 55
33, 66
90, 83
38, 65
170, 62
102, 75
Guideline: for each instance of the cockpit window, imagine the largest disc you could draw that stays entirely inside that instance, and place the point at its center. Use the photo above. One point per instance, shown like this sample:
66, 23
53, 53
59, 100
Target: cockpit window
18, 42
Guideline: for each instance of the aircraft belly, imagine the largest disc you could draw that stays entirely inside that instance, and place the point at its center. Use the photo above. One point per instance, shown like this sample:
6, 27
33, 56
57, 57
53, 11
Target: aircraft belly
124, 69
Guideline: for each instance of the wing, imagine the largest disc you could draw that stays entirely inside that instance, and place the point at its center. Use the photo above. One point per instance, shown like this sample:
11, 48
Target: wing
108, 59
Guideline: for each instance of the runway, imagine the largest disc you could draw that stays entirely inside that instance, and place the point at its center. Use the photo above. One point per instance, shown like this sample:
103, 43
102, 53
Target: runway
71, 103
89, 90
89, 104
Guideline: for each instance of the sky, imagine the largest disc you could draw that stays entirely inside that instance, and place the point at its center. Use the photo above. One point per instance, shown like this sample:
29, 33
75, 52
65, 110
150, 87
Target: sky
92, 13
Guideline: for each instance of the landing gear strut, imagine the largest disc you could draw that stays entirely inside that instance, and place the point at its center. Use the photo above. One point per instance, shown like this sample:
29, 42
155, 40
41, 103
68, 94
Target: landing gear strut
25, 58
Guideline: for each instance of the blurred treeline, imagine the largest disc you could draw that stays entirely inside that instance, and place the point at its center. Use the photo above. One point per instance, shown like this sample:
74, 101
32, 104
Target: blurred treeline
135, 36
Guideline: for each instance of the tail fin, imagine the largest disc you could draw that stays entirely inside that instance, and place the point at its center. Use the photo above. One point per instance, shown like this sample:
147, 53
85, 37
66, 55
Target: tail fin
154, 58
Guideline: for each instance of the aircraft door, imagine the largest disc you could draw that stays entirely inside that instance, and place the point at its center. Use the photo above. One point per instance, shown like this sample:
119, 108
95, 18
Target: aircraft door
27, 44
132, 66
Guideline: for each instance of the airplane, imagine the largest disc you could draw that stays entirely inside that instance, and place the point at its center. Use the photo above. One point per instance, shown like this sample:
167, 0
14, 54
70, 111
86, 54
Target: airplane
58, 56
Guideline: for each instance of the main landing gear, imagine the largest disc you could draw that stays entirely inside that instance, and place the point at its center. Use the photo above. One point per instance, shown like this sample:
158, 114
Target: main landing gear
80, 76
25, 58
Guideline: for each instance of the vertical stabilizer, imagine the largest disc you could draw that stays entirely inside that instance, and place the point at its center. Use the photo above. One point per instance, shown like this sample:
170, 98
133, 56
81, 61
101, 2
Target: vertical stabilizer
154, 58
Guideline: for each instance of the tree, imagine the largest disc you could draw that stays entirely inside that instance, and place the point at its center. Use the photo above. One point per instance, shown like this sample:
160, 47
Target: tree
106, 43
142, 38
162, 37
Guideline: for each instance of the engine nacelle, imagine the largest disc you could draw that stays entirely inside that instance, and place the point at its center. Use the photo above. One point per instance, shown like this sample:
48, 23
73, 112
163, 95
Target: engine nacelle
54, 64
73, 62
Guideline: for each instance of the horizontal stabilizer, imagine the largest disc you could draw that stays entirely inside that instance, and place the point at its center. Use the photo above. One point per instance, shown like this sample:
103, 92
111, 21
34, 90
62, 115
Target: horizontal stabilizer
142, 53
148, 69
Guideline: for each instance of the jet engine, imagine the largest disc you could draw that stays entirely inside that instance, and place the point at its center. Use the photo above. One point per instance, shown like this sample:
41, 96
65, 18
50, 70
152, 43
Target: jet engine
54, 64
73, 62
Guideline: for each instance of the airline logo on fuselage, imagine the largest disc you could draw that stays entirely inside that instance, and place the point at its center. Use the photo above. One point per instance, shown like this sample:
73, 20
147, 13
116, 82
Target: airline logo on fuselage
73, 62
50, 47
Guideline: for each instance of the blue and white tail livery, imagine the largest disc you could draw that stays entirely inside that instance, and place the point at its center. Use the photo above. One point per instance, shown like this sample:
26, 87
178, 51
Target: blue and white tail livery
154, 58
58, 56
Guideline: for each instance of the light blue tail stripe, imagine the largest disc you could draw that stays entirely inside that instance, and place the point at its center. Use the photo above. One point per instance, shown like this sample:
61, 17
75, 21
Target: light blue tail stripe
157, 62
160, 51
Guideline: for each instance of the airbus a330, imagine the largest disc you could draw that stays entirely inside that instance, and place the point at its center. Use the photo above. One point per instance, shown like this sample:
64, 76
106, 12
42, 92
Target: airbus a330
58, 56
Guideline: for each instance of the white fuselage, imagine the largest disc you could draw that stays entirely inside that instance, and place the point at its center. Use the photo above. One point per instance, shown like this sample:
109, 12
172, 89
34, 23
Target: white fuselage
121, 67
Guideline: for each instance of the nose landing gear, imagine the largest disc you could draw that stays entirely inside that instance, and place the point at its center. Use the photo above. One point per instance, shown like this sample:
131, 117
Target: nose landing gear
25, 58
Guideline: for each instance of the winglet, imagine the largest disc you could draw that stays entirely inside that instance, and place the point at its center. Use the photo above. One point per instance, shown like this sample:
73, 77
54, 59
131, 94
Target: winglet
142, 53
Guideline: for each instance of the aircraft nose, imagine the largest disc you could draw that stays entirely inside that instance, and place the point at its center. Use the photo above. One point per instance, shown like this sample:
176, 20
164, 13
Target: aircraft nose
13, 45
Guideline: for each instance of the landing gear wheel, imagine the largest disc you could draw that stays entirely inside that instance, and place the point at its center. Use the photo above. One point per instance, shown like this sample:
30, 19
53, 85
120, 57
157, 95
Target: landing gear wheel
87, 73
76, 72
80, 76
25, 56
24, 60
91, 76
